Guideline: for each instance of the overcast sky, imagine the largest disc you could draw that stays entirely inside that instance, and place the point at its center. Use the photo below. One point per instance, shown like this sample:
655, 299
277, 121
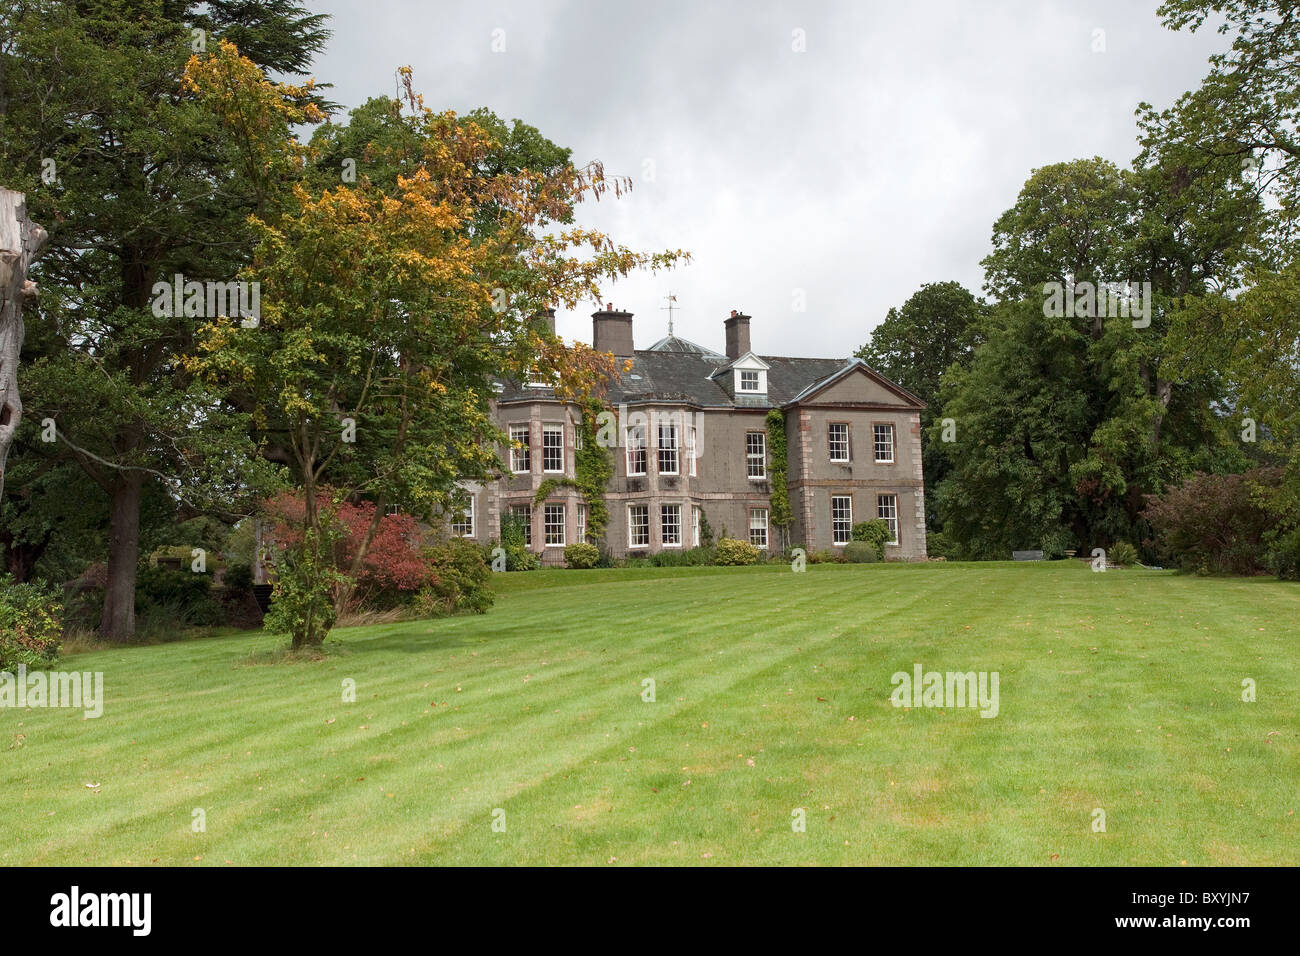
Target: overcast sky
853, 172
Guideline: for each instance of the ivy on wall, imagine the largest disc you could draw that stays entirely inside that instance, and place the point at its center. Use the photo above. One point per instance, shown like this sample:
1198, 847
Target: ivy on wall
592, 468
780, 514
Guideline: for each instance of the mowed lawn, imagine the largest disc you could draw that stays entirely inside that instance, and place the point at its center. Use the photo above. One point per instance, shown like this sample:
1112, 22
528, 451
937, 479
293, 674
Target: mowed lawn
1119, 691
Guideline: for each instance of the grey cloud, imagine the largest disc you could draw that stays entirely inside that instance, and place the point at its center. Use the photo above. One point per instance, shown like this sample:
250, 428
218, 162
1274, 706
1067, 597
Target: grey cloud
873, 162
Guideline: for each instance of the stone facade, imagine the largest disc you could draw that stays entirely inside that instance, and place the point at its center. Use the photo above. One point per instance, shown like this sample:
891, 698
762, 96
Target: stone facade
853, 440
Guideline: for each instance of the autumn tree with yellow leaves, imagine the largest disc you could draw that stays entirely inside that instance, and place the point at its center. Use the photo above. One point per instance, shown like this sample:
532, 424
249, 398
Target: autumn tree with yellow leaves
394, 290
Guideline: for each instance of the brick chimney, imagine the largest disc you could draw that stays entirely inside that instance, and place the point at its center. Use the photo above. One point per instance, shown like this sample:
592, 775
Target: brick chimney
611, 331
737, 326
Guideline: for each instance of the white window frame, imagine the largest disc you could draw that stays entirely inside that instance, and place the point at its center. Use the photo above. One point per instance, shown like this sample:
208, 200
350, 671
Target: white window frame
550, 431
466, 516
631, 527
848, 524
889, 519
675, 525
581, 519
536, 379
752, 457
635, 441
695, 525
549, 539
875, 442
523, 434
671, 449
692, 449
831, 442
742, 377
753, 527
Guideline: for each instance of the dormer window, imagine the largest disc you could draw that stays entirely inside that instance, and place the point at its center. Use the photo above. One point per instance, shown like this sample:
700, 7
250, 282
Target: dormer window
748, 376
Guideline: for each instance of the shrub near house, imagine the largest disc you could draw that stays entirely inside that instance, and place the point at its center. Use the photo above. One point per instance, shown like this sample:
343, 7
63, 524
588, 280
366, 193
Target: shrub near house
732, 551
515, 545
874, 533
861, 552
581, 555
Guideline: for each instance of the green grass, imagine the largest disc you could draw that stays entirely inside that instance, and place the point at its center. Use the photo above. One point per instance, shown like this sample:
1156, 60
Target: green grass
1119, 691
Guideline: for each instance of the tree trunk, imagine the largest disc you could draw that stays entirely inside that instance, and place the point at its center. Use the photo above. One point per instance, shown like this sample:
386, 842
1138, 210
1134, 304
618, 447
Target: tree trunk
20, 244
118, 623
349, 587
1164, 392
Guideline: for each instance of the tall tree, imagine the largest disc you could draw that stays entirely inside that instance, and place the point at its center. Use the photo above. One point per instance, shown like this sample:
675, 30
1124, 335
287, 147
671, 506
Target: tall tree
1243, 122
1128, 413
138, 186
389, 311
1020, 420
938, 326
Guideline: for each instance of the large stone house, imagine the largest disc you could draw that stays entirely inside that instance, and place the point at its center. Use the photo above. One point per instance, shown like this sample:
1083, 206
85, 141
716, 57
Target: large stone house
692, 445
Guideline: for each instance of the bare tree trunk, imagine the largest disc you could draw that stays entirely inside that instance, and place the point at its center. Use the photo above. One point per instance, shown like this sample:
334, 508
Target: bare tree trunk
20, 244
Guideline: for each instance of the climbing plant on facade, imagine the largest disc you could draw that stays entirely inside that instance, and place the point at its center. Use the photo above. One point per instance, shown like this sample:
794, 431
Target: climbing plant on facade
592, 468
780, 514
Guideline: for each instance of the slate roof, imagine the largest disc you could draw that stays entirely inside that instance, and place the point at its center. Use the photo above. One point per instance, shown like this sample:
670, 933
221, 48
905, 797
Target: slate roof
675, 370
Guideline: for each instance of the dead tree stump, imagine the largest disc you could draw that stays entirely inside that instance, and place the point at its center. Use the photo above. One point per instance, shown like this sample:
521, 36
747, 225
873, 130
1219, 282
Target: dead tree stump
20, 244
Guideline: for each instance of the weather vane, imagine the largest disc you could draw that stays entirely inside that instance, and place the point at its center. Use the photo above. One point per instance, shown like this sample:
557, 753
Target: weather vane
672, 304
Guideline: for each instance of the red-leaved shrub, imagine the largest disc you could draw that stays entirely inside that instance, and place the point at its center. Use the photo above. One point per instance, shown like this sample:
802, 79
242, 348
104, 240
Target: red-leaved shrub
394, 567
1215, 522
